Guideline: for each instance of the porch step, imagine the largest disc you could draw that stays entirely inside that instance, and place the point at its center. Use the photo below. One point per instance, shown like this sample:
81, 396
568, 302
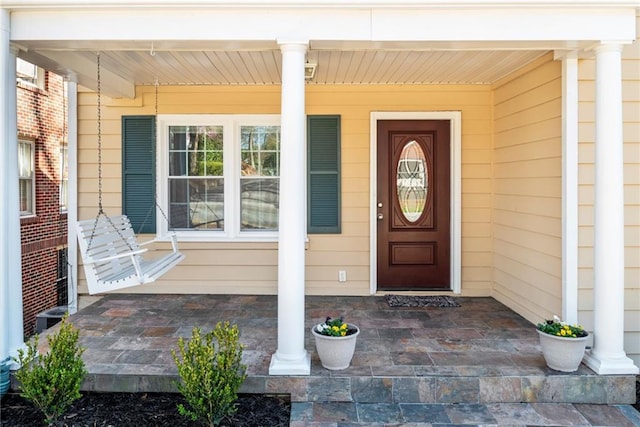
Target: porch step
579, 387
304, 414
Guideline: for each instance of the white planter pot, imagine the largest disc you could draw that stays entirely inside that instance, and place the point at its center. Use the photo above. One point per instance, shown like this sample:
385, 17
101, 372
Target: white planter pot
562, 354
5, 378
335, 352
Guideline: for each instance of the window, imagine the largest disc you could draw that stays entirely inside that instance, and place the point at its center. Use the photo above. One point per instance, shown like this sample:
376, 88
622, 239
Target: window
221, 176
64, 176
29, 74
26, 158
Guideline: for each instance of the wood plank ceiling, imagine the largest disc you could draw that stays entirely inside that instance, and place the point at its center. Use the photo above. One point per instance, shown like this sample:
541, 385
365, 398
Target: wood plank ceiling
263, 67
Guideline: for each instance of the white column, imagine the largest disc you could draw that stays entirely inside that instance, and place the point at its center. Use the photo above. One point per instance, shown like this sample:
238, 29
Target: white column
10, 259
607, 355
570, 187
72, 196
291, 358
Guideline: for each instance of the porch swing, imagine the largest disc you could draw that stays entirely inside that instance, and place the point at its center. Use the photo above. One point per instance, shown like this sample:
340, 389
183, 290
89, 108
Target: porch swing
111, 255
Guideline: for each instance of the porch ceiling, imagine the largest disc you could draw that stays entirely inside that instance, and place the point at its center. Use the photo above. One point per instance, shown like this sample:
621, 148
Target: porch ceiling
217, 42
123, 69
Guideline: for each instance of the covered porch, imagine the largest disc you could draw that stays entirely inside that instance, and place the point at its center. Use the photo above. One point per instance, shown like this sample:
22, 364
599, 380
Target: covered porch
480, 358
509, 75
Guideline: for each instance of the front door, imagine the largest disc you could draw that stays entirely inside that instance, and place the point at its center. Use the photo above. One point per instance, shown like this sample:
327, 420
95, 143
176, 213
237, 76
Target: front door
413, 206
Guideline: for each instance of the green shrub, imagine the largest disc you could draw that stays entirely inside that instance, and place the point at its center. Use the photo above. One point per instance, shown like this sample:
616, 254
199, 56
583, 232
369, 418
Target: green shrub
211, 372
52, 381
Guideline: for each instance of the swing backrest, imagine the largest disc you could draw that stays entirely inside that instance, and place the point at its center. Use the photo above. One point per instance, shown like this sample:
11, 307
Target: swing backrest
103, 242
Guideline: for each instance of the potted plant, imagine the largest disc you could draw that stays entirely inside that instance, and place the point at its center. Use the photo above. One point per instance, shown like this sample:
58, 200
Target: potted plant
5, 378
562, 344
335, 342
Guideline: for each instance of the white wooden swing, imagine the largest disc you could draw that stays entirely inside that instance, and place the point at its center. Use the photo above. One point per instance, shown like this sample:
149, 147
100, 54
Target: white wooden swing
111, 255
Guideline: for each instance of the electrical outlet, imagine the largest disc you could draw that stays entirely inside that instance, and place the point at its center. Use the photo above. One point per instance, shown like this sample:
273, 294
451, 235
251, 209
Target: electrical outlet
342, 276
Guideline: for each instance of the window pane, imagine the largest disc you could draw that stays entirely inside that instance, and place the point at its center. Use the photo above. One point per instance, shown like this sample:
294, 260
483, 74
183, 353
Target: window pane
195, 151
25, 160
259, 200
207, 203
178, 163
196, 186
197, 204
178, 190
260, 150
26, 196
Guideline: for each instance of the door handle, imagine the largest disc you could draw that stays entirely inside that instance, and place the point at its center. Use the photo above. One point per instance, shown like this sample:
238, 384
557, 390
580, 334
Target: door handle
380, 216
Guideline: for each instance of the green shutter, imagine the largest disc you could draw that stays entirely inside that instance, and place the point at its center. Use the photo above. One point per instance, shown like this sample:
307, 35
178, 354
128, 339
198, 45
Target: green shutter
138, 172
323, 158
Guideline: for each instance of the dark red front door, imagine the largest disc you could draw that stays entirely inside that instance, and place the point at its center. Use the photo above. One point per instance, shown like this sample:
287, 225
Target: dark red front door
413, 206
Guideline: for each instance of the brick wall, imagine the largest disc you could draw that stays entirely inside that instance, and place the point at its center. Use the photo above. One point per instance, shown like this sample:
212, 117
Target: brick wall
41, 120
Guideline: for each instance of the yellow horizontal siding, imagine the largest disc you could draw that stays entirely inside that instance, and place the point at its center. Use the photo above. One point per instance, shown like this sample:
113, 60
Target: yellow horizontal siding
527, 177
212, 267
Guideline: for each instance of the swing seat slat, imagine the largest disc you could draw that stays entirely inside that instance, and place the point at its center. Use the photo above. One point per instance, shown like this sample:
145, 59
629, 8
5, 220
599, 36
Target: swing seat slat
112, 257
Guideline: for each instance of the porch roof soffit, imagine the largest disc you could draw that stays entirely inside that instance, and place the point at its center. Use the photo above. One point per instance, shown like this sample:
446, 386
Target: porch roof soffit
64, 37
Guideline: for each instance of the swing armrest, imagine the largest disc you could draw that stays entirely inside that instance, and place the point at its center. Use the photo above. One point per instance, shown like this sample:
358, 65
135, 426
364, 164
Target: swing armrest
172, 235
111, 258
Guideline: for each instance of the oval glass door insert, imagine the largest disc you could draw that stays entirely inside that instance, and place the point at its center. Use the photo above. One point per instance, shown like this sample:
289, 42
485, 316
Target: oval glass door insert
412, 181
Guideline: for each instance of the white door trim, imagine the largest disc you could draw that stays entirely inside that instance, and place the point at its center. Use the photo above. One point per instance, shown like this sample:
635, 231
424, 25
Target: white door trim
455, 118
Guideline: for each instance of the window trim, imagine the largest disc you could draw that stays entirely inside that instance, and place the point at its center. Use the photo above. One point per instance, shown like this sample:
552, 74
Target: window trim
32, 178
231, 124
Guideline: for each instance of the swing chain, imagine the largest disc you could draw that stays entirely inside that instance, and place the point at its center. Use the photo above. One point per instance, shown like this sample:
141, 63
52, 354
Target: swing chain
100, 208
155, 194
164, 215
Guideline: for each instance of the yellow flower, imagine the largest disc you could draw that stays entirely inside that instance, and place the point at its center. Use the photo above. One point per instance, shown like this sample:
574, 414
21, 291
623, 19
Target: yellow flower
344, 326
335, 328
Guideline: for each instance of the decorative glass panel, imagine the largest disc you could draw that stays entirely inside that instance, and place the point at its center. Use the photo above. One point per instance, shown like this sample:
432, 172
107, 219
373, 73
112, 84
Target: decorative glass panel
412, 181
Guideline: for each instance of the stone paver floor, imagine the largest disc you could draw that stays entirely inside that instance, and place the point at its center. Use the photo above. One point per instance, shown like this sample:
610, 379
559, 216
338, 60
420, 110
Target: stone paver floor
470, 365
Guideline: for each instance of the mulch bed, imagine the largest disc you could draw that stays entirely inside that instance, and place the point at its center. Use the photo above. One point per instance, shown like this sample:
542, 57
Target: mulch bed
637, 404
144, 409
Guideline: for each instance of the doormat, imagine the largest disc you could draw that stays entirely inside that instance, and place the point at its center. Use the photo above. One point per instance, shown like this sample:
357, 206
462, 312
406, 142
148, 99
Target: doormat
420, 301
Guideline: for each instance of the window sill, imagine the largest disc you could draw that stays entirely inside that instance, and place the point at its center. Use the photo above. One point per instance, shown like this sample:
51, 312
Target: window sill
29, 219
32, 88
221, 238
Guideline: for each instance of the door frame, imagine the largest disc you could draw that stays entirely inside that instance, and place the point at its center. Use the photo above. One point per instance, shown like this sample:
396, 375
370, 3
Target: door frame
455, 118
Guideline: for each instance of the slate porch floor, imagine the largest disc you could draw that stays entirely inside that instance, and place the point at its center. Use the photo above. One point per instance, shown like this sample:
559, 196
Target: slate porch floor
478, 364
